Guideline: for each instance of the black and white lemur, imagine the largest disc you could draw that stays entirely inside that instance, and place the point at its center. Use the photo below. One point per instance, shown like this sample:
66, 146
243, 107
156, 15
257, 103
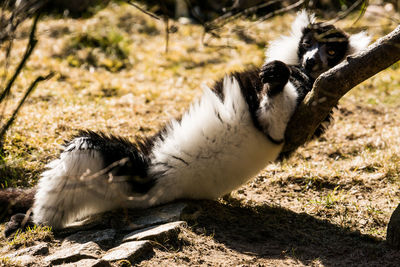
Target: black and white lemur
225, 138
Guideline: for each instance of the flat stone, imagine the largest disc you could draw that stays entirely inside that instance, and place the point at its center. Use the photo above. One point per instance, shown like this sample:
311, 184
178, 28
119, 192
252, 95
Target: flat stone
40, 249
128, 251
160, 233
73, 253
103, 237
159, 215
88, 263
25, 260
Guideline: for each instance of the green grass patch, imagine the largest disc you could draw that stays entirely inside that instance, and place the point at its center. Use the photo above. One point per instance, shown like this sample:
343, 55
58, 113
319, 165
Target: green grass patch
30, 236
105, 47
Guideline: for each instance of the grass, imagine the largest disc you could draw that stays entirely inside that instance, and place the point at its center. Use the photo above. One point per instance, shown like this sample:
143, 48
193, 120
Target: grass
349, 177
98, 48
6, 261
30, 236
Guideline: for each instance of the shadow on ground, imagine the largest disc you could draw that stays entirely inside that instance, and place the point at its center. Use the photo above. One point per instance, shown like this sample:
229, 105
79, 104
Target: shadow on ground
274, 232
10, 178
15, 176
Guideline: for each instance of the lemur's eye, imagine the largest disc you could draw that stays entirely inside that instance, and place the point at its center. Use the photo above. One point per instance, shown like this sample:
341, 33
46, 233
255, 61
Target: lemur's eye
331, 52
307, 44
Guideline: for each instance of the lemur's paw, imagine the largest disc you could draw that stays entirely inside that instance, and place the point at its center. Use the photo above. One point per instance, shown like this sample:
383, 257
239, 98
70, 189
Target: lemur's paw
18, 221
276, 75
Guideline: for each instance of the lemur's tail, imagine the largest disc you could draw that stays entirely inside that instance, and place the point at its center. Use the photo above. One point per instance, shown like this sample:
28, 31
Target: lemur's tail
95, 173
15, 200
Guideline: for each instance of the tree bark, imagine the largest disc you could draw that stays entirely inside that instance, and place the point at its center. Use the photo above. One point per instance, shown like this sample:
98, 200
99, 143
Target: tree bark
333, 85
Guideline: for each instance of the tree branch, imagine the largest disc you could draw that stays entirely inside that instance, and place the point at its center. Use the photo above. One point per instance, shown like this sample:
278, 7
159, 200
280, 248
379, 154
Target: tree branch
10, 121
29, 49
335, 83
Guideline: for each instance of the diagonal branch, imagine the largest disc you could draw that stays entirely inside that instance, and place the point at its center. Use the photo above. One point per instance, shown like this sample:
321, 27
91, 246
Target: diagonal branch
335, 83
29, 49
10, 121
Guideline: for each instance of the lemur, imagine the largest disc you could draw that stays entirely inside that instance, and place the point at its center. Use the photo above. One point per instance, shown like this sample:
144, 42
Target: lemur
225, 138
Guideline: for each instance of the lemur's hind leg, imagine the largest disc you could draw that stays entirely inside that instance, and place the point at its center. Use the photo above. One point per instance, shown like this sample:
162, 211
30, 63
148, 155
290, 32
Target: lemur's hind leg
274, 75
278, 100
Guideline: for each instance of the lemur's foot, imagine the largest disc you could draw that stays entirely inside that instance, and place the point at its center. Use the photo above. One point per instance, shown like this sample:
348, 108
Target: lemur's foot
393, 230
275, 74
18, 221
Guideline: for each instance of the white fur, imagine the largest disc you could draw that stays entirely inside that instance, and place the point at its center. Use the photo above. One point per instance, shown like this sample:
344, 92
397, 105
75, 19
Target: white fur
205, 156
358, 42
274, 114
73, 187
311, 53
285, 48
214, 149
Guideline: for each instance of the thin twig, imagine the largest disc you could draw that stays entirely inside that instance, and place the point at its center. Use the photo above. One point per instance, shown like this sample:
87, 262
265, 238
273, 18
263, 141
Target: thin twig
280, 11
227, 17
24, 10
166, 21
381, 15
348, 11
21, 102
31, 45
222, 20
143, 10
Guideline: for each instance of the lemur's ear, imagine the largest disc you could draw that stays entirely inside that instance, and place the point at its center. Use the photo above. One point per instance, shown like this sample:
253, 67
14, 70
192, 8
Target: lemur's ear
358, 42
303, 19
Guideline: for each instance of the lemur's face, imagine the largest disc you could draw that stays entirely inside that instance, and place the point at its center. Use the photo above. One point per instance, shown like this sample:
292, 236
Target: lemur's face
321, 47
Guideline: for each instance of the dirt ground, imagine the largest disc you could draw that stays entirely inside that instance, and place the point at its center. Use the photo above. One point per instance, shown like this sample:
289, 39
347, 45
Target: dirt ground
328, 205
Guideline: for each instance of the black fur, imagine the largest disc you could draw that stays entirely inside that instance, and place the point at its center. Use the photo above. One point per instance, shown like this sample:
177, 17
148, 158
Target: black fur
270, 79
300, 80
276, 75
334, 40
113, 150
250, 85
304, 84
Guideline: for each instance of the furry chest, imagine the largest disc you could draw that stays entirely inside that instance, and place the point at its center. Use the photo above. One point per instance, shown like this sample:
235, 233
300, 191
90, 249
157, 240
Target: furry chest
216, 165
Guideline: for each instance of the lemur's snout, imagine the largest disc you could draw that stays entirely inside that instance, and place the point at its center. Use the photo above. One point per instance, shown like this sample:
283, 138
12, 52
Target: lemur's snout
310, 64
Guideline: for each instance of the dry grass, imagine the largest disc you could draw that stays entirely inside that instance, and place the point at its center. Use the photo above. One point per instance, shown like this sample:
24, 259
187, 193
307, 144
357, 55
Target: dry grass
126, 85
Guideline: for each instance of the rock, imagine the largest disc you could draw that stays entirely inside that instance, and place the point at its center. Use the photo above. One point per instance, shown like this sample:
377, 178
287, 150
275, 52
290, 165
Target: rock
393, 230
40, 249
73, 253
158, 233
88, 263
128, 251
163, 214
25, 260
103, 237
123, 221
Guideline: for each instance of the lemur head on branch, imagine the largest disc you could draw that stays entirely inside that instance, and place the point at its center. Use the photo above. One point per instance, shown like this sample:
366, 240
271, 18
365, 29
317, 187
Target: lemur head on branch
315, 46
